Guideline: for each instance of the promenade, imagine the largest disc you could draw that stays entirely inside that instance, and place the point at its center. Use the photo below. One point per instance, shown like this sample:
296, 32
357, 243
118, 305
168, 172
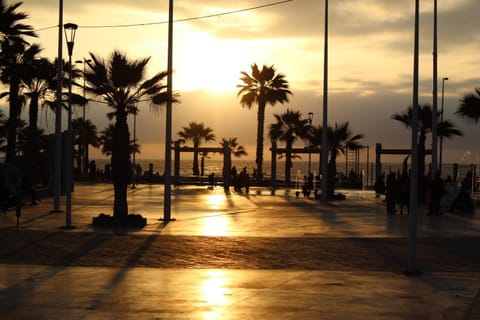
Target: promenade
237, 256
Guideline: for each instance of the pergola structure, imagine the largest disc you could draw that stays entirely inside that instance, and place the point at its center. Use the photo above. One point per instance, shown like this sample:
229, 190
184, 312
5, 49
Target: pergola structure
378, 156
227, 160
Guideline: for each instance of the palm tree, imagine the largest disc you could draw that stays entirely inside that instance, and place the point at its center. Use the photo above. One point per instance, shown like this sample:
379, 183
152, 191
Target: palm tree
121, 83
262, 87
13, 55
469, 107
289, 127
85, 135
236, 149
10, 26
340, 138
36, 81
198, 133
445, 129
105, 140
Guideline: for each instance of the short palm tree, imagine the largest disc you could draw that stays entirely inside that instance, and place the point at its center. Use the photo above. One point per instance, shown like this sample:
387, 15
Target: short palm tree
121, 83
197, 133
469, 107
289, 128
85, 135
236, 149
445, 129
340, 138
262, 87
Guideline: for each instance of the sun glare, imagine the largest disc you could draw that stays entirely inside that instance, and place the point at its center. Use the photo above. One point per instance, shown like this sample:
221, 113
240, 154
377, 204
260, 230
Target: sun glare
207, 63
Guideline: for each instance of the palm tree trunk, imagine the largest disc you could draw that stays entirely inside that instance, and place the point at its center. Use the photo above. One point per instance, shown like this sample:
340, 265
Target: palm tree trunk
288, 162
121, 169
14, 113
259, 155
421, 166
331, 173
196, 171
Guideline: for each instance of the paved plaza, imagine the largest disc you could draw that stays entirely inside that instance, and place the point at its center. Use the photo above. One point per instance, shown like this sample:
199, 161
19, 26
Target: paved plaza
236, 256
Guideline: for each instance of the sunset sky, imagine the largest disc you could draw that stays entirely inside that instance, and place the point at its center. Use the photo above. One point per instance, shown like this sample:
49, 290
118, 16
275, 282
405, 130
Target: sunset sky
370, 71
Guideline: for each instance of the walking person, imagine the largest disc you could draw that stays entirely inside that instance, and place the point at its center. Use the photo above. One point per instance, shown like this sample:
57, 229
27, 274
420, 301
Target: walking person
437, 191
391, 192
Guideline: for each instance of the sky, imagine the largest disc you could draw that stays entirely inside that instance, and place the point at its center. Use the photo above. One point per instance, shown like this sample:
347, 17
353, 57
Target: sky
370, 62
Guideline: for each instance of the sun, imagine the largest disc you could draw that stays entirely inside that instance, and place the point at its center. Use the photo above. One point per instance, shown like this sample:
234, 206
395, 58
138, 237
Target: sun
204, 62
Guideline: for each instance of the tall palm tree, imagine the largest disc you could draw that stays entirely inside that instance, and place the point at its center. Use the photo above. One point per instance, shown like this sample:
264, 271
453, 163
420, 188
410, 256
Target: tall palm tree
445, 129
262, 87
289, 127
340, 138
14, 57
469, 107
121, 83
235, 148
197, 133
14, 54
10, 22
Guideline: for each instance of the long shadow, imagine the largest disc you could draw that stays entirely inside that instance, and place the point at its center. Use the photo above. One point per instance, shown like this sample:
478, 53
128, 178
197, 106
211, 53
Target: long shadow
9, 301
106, 289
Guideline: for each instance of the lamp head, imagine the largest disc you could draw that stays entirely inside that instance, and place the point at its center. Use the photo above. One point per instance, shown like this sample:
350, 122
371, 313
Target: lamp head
70, 30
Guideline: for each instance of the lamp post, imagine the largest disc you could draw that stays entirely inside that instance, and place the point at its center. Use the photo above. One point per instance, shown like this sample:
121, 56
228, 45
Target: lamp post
167, 201
84, 148
324, 157
310, 118
70, 30
57, 173
441, 120
435, 95
134, 169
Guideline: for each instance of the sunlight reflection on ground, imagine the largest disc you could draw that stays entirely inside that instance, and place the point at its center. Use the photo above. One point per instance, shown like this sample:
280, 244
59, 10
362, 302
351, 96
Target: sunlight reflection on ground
215, 295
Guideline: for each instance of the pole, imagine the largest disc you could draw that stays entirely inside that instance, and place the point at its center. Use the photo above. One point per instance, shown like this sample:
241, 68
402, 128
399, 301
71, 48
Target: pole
70, 39
69, 162
310, 118
58, 118
324, 157
85, 143
441, 121
412, 217
134, 148
435, 93
168, 126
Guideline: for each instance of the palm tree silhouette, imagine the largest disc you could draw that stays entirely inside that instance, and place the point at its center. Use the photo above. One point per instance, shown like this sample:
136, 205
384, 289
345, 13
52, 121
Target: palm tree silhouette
444, 129
235, 148
469, 107
340, 138
15, 53
262, 87
85, 135
289, 127
197, 133
121, 83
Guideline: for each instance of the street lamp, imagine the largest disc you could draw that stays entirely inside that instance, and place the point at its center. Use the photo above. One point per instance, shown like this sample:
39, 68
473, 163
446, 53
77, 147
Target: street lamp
57, 173
310, 118
70, 30
441, 120
134, 169
324, 156
84, 148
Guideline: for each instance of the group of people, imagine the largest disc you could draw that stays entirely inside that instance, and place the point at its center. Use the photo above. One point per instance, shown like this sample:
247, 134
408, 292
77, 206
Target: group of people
435, 193
240, 180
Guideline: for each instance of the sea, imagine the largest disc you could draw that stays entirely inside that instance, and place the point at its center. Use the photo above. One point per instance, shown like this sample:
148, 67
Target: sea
299, 170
